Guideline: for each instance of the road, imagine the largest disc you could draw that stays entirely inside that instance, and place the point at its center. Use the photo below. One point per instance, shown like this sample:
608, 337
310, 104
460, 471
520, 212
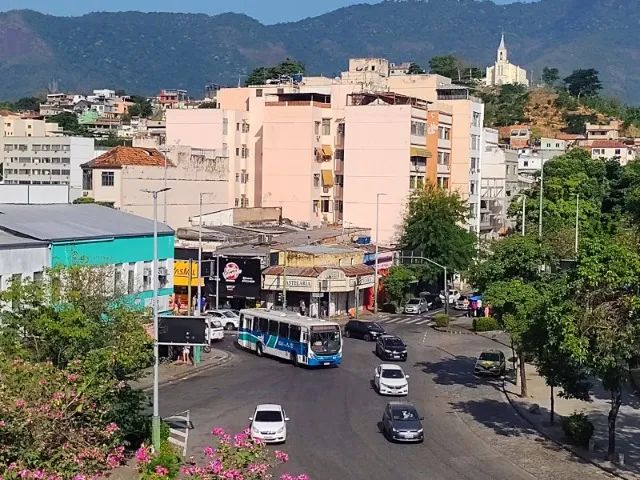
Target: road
470, 430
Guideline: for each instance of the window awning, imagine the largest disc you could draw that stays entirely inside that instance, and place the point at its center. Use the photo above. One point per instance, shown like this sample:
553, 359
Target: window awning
327, 151
420, 152
327, 178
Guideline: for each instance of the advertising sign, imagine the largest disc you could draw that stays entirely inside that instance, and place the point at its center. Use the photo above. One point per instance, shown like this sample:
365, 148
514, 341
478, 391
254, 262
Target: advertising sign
181, 330
239, 276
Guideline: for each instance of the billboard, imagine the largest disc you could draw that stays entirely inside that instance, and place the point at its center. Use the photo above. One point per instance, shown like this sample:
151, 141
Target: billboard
181, 330
240, 277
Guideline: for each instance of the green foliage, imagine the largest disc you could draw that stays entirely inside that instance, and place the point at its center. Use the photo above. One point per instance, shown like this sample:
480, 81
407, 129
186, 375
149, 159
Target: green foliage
578, 429
68, 121
576, 123
81, 200
415, 68
208, 105
260, 75
550, 75
454, 68
432, 228
485, 324
167, 458
397, 283
565, 101
390, 307
113, 141
441, 320
505, 105
141, 107
583, 83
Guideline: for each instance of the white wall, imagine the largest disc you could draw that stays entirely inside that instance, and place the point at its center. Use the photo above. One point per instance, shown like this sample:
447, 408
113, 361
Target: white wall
24, 261
38, 194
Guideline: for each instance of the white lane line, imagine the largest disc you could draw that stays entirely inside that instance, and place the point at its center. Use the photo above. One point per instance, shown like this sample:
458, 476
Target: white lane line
422, 322
406, 320
393, 320
414, 320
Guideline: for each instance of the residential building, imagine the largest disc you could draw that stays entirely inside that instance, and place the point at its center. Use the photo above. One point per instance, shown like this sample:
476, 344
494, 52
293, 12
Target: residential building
504, 72
88, 235
530, 161
44, 160
171, 98
13, 125
399, 68
517, 136
608, 131
553, 144
120, 175
612, 150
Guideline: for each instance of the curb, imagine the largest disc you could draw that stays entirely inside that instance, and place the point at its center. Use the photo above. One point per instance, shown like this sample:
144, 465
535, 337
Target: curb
453, 332
218, 362
616, 472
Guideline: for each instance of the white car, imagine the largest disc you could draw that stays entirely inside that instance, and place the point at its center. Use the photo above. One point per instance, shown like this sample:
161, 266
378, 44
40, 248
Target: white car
454, 295
268, 423
214, 331
389, 379
229, 319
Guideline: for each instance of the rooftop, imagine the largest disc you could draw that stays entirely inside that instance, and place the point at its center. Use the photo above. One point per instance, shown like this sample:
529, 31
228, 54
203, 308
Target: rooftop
118, 157
322, 249
9, 240
349, 271
607, 144
67, 222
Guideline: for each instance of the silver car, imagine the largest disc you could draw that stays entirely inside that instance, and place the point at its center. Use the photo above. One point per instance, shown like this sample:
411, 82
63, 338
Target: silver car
416, 305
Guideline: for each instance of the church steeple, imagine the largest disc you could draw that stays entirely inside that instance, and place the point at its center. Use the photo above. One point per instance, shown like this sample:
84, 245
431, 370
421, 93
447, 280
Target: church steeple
502, 50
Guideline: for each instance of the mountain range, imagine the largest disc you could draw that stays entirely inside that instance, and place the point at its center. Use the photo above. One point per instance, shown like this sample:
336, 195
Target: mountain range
143, 52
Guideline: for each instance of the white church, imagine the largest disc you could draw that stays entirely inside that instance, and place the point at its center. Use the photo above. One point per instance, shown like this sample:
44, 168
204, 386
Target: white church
504, 72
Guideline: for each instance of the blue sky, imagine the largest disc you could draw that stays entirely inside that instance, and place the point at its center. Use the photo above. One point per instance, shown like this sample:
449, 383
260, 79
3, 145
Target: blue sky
267, 11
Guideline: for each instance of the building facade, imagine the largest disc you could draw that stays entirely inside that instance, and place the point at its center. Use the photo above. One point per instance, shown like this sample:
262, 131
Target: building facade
504, 72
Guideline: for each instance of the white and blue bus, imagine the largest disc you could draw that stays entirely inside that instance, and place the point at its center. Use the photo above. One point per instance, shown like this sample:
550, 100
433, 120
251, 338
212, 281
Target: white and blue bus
303, 340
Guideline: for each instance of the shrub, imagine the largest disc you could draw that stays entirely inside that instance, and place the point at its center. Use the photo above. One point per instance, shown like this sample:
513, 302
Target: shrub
441, 319
577, 429
390, 307
485, 324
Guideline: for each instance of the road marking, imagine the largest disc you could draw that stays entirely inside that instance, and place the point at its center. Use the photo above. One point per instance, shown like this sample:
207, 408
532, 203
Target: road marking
393, 320
422, 322
404, 320
413, 320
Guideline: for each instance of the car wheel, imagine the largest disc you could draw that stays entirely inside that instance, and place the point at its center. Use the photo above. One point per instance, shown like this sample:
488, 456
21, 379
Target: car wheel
294, 359
347, 333
206, 349
367, 337
229, 326
259, 350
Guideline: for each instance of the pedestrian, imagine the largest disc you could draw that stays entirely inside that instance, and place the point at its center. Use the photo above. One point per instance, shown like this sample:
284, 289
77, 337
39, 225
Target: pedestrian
303, 308
227, 305
465, 306
186, 350
203, 303
479, 308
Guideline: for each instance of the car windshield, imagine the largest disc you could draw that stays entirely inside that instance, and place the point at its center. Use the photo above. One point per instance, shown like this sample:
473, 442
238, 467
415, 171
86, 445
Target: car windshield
404, 414
490, 356
228, 313
394, 342
413, 301
268, 416
392, 373
325, 340
216, 323
373, 326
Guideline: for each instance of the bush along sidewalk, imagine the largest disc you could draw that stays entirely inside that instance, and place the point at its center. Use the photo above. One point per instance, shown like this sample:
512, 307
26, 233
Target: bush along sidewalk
485, 324
441, 319
577, 428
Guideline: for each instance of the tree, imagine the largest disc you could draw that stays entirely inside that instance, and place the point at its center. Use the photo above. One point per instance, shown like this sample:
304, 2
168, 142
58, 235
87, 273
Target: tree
208, 104
432, 227
550, 75
397, 283
577, 122
288, 67
414, 69
505, 105
68, 121
141, 107
445, 65
27, 104
583, 82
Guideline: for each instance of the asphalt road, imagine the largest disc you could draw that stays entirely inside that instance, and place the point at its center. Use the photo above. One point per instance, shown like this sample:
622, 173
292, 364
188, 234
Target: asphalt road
470, 430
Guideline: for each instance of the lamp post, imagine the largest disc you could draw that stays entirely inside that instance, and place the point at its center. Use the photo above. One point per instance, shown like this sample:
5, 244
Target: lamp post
375, 273
446, 286
541, 195
155, 425
524, 213
198, 303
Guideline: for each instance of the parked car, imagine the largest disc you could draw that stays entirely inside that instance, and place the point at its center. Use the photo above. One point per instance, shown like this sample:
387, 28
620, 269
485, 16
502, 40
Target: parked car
229, 320
215, 330
462, 303
401, 422
389, 379
360, 329
416, 305
433, 301
453, 296
491, 362
268, 423
390, 347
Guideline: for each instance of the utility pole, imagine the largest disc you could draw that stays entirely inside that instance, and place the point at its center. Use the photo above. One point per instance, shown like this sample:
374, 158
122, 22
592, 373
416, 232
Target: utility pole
577, 220
375, 273
198, 302
524, 213
217, 281
284, 281
541, 196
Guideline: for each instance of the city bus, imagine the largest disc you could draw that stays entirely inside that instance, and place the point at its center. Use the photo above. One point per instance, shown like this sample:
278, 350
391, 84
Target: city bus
302, 340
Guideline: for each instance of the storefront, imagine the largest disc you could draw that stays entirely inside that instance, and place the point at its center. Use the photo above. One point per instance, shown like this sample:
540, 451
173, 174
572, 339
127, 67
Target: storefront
385, 262
325, 291
185, 283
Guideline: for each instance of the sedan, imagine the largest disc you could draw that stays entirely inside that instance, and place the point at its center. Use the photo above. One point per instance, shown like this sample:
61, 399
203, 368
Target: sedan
268, 424
389, 379
401, 422
229, 320
390, 347
366, 330
491, 362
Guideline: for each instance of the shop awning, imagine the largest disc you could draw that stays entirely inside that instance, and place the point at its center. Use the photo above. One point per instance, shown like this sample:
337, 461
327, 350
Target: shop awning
327, 151
420, 152
327, 178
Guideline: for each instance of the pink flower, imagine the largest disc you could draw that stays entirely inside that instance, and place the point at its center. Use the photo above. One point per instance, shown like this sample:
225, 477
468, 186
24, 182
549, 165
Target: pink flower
281, 456
24, 473
111, 428
58, 396
209, 451
303, 476
39, 474
287, 476
80, 477
258, 468
2, 423
162, 471
218, 431
233, 475
20, 403
72, 377
142, 455
215, 467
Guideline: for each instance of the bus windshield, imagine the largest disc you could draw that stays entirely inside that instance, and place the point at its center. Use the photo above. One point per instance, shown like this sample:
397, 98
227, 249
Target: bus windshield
325, 340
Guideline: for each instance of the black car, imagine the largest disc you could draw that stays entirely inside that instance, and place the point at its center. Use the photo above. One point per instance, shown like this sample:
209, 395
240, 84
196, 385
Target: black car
401, 422
390, 347
433, 301
365, 330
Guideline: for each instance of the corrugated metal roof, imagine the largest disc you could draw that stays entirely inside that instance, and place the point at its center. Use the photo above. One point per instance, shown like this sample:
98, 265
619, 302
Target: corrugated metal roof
74, 222
349, 271
322, 249
9, 240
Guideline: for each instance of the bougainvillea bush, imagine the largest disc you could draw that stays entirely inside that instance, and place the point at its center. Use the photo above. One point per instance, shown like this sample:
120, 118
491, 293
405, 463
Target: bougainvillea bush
236, 457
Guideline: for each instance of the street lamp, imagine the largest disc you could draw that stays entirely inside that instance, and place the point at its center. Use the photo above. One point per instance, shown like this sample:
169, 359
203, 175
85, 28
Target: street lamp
446, 286
375, 273
155, 425
541, 194
198, 309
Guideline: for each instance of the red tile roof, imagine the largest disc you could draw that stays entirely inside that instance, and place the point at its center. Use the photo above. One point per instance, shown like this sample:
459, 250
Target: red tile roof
607, 144
118, 157
349, 271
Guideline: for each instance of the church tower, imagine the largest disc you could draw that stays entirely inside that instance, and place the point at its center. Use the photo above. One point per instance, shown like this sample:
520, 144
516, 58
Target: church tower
502, 52
503, 72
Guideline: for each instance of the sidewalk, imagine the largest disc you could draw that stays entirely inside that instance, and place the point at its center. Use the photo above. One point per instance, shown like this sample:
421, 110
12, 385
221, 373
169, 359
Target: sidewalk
171, 372
627, 425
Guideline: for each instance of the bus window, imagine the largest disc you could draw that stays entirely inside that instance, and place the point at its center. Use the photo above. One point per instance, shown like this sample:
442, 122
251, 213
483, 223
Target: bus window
255, 324
273, 327
305, 335
264, 325
294, 333
283, 331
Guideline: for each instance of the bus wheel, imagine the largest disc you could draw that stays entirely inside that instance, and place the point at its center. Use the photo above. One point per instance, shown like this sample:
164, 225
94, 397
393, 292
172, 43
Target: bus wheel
259, 350
294, 359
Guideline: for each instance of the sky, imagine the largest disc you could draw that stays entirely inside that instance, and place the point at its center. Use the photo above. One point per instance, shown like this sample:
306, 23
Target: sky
266, 11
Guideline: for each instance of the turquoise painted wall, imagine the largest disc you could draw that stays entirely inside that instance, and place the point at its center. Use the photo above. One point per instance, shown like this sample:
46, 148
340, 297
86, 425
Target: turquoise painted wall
111, 251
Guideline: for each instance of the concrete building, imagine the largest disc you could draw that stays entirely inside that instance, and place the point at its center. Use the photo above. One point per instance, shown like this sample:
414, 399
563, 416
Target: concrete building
504, 72
13, 125
88, 235
38, 194
553, 144
41, 160
609, 131
120, 175
612, 150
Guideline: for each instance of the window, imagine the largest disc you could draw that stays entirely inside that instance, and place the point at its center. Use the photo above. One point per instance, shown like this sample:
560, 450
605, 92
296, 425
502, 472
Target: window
244, 201
338, 205
525, 163
131, 278
444, 133
317, 128
508, 193
326, 126
273, 327
146, 276
263, 325
237, 151
418, 128
412, 181
475, 142
325, 205
316, 206
64, 172
237, 177
472, 188
617, 151
225, 126
244, 177
475, 164
316, 179
37, 276
283, 330
245, 151
117, 277
237, 203
508, 169
340, 154
237, 127
107, 179
483, 204
475, 119
419, 181
245, 127
340, 180
294, 333
443, 158
258, 92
